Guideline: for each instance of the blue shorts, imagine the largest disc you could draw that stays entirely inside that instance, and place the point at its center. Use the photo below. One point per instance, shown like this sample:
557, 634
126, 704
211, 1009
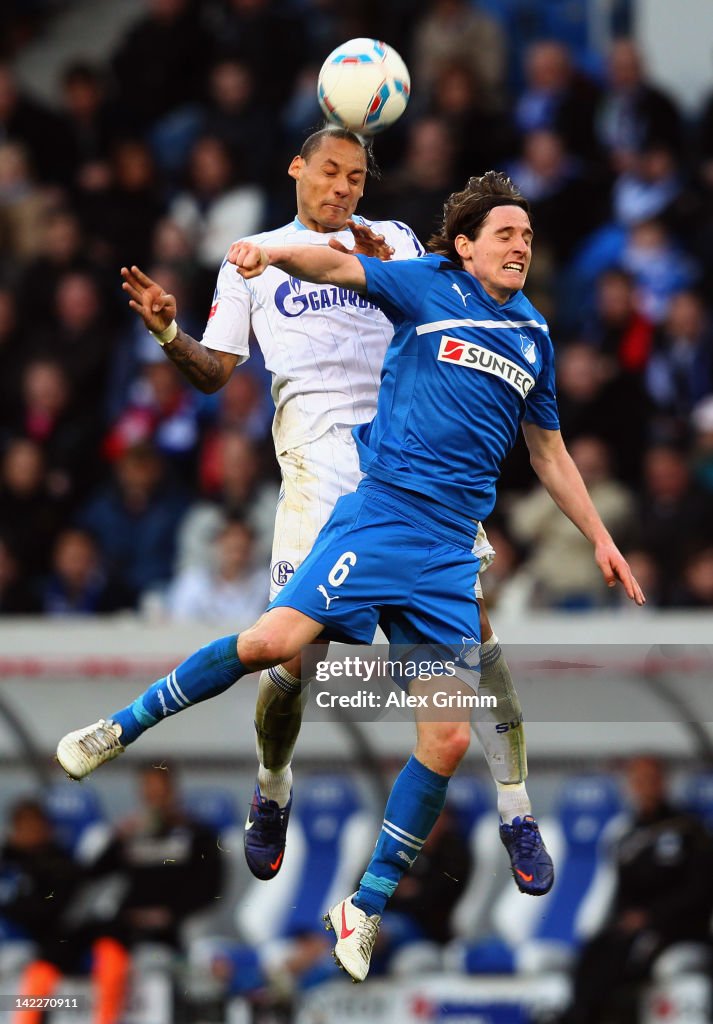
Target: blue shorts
381, 560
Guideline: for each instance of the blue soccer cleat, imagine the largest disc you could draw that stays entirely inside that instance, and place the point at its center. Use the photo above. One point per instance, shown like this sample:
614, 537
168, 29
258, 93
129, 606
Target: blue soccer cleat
531, 864
265, 835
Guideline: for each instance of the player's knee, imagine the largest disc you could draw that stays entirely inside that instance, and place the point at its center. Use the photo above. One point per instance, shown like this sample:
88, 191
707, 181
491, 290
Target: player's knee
451, 742
262, 646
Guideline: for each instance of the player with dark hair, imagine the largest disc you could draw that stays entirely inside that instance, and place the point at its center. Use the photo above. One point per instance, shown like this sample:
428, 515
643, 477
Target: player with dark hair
325, 348
471, 360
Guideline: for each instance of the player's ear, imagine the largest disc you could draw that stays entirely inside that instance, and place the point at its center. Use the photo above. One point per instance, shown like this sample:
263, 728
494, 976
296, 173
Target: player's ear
462, 246
295, 167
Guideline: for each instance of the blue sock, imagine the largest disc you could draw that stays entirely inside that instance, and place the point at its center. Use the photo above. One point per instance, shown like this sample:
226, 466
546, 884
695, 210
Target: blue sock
204, 674
416, 799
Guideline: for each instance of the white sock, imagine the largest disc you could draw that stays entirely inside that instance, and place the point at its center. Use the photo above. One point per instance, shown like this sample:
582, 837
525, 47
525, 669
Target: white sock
513, 801
275, 784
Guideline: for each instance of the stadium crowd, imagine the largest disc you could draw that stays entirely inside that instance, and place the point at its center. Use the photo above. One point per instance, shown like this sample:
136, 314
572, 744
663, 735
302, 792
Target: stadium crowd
123, 488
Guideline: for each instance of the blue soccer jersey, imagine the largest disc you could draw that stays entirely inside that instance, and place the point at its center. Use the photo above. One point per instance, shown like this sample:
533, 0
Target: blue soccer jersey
461, 373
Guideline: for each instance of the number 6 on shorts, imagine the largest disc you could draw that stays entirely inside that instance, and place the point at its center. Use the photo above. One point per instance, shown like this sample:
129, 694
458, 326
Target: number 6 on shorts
340, 570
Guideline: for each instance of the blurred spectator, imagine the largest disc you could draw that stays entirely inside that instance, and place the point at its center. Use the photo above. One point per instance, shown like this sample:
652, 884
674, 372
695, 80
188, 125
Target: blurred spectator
88, 122
664, 896
68, 437
77, 583
80, 338
23, 204
30, 514
593, 399
17, 596
12, 355
649, 187
171, 864
680, 369
134, 519
168, 37
230, 589
557, 98
702, 447
215, 210
26, 121
162, 410
482, 138
565, 200
424, 180
673, 513
120, 213
617, 328
299, 116
696, 587
560, 565
453, 30
236, 114
633, 114
262, 34
245, 406
171, 247
658, 265
61, 251
234, 486
42, 884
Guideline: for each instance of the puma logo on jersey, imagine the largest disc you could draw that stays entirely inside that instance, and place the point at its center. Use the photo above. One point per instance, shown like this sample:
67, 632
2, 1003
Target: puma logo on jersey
404, 856
327, 597
457, 289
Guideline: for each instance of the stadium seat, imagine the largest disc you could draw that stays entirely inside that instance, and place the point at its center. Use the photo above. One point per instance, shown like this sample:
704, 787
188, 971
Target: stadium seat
472, 802
329, 841
213, 806
77, 818
535, 935
330, 837
587, 816
697, 797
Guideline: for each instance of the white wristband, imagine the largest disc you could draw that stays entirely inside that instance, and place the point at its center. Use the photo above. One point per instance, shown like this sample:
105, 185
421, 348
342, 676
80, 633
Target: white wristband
168, 334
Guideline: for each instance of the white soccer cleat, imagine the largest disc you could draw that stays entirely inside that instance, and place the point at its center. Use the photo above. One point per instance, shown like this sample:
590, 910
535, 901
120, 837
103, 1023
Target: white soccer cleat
82, 751
356, 934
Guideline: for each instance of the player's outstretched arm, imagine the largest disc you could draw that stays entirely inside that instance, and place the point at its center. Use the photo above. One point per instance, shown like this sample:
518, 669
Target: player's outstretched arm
559, 475
205, 368
317, 263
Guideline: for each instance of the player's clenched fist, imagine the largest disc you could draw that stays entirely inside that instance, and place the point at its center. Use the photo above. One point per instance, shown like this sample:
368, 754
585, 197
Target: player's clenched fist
250, 260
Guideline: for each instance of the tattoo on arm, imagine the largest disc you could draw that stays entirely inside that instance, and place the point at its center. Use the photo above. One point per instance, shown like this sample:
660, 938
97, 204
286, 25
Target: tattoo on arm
198, 364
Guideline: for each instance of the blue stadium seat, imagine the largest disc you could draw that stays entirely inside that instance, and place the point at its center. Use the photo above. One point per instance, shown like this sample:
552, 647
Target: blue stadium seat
328, 842
77, 817
588, 807
697, 797
330, 837
532, 935
213, 806
587, 804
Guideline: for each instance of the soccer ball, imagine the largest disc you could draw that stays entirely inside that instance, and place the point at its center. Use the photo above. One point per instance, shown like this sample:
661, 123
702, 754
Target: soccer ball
364, 86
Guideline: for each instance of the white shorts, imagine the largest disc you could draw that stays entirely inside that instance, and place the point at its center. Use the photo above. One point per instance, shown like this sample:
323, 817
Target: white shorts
314, 476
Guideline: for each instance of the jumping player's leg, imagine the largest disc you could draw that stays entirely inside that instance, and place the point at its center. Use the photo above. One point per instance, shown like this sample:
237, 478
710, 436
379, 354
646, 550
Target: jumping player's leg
414, 805
277, 636
500, 730
314, 477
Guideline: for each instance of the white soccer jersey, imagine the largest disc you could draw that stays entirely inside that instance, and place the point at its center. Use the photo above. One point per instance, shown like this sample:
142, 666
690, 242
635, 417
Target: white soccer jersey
323, 345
